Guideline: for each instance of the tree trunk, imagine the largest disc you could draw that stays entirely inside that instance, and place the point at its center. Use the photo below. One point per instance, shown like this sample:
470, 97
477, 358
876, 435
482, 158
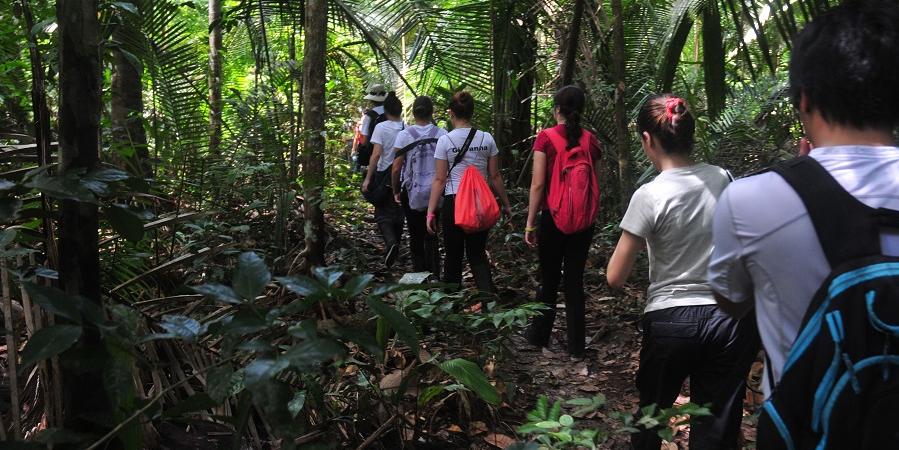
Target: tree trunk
621, 133
291, 94
126, 112
713, 60
215, 77
80, 101
42, 133
314, 125
569, 64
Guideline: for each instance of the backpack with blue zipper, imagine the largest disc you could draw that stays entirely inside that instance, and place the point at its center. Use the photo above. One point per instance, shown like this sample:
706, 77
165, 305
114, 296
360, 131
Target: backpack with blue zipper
839, 387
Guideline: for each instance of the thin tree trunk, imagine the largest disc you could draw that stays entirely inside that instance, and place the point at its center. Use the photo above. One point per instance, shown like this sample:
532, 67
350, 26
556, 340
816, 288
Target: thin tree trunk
756, 26
42, 133
621, 133
215, 77
80, 97
739, 27
569, 64
501, 20
127, 105
291, 90
314, 125
713, 60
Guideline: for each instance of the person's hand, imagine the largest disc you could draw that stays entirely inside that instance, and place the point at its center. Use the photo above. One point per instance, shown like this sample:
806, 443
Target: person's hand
396, 197
432, 223
805, 146
365, 185
507, 211
530, 236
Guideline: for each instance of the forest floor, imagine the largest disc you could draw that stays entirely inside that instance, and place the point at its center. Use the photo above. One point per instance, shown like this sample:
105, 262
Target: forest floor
613, 340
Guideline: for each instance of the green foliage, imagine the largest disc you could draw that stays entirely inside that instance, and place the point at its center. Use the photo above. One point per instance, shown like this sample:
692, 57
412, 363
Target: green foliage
547, 425
471, 376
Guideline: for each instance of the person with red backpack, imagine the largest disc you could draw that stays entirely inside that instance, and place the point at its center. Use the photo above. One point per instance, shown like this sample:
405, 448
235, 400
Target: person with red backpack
567, 161
685, 334
413, 175
465, 159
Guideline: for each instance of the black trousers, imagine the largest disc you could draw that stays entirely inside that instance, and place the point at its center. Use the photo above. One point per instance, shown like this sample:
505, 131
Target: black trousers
424, 246
389, 217
459, 245
715, 351
562, 258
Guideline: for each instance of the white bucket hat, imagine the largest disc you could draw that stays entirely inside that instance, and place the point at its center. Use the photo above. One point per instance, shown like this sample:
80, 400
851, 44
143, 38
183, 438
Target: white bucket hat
376, 93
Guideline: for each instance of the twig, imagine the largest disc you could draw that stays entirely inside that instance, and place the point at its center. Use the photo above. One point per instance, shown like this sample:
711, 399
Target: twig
381, 430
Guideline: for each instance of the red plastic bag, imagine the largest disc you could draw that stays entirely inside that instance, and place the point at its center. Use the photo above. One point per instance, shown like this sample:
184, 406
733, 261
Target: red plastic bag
476, 207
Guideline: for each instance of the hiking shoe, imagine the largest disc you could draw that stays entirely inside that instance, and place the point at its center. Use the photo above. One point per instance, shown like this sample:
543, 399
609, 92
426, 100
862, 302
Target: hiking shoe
392, 254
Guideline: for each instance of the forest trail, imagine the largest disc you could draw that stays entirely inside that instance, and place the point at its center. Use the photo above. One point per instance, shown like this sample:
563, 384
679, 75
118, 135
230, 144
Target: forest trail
527, 372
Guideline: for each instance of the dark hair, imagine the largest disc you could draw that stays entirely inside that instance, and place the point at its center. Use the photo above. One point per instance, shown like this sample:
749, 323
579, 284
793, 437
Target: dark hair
668, 119
462, 105
570, 101
845, 62
423, 108
393, 105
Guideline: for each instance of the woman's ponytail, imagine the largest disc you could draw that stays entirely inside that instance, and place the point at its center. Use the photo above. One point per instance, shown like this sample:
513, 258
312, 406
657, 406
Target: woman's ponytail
570, 101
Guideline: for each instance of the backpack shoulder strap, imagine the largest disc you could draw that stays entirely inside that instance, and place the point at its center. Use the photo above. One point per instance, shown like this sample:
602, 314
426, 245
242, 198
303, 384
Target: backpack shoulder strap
464, 148
373, 116
846, 227
410, 146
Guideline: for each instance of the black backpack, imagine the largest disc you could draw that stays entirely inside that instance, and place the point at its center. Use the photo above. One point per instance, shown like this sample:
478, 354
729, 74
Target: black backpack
840, 385
364, 150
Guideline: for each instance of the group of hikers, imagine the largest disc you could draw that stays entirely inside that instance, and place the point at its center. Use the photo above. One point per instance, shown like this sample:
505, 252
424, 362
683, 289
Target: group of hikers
802, 259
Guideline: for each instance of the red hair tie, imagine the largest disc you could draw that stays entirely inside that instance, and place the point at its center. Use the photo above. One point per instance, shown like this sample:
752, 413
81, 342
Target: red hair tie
671, 106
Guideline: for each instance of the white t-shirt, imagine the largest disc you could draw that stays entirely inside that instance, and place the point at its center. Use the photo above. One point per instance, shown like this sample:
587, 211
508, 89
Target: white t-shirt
385, 135
767, 250
479, 152
404, 138
366, 121
674, 214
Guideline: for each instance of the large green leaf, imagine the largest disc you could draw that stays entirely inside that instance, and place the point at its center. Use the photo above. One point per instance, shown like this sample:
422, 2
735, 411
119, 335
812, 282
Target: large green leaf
48, 342
404, 328
251, 275
302, 286
218, 292
311, 354
125, 222
55, 301
472, 377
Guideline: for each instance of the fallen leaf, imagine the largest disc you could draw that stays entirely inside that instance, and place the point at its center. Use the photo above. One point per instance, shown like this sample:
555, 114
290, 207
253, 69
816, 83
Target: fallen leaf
499, 440
477, 428
454, 428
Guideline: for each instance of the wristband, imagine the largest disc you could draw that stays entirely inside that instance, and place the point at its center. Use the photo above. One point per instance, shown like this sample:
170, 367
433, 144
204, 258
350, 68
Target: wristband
431, 215
529, 229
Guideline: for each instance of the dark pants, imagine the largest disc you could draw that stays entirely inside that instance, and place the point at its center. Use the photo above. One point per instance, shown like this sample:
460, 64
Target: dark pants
711, 348
459, 244
562, 257
389, 216
424, 246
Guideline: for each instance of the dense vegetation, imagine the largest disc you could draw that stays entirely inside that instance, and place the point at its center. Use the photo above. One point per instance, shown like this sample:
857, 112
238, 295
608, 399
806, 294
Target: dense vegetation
184, 244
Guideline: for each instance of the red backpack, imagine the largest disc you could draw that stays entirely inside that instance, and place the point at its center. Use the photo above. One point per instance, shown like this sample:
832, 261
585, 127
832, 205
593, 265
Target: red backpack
476, 209
573, 197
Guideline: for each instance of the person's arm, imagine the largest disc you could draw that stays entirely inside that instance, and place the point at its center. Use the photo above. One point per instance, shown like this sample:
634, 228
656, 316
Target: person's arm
728, 275
735, 309
395, 171
622, 262
496, 181
538, 187
372, 165
437, 187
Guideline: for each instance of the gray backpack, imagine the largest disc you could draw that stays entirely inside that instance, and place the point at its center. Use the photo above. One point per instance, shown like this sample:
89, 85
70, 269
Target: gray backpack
418, 169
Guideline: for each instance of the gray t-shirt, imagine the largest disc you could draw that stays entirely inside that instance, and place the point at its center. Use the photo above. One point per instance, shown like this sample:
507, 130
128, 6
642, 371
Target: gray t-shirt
385, 135
674, 213
479, 152
766, 248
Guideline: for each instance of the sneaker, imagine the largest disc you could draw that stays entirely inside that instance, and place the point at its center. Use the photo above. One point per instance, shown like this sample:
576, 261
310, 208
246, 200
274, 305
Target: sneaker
392, 254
